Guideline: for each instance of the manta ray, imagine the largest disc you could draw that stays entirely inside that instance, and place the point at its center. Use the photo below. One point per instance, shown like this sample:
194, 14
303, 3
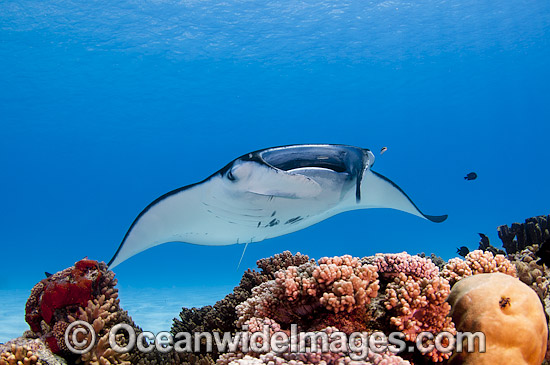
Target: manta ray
266, 194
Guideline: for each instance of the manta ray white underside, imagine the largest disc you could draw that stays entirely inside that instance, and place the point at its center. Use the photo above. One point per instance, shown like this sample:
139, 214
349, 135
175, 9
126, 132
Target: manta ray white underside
265, 194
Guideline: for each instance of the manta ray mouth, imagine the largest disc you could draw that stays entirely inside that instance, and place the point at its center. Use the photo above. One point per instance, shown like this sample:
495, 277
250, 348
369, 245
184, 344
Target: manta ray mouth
290, 158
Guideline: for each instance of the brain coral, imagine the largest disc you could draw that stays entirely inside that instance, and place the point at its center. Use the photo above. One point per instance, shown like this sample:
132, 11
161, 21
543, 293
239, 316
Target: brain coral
508, 312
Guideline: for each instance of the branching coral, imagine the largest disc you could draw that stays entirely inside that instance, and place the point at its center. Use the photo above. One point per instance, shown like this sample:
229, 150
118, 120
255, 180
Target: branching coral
102, 314
437, 260
314, 295
23, 350
334, 295
477, 262
103, 354
271, 265
85, 292
530, 272
419, 306
345, 283
338, 284
415, 297
310, 358
416, 266
284, 299
263, 303
172, 358
18, 355
320, 347
222, 316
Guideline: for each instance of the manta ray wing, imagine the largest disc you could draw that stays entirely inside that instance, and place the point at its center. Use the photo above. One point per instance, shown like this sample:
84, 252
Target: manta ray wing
381, 192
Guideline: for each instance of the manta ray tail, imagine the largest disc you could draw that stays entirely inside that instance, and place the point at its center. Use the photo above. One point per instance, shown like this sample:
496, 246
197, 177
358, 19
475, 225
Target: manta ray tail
239, 264
384, 193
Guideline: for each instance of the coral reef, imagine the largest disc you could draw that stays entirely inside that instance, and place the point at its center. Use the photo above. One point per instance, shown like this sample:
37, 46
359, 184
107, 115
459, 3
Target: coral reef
346, 284
543, 253
344, 294
535, 230
299, 297
438, 261
416, 296
537, 276
404, 263
18, 355
530, 271
501, 301
477, 262
314, 355
338, 284
222, 316
528, 247
26, 350
86, 292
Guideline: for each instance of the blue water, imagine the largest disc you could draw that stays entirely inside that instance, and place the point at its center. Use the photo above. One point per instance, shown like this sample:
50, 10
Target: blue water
104, 106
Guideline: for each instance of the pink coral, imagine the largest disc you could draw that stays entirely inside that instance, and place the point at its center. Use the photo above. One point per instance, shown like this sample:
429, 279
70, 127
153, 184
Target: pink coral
420, 305
477, 262
314, 353
257, 325
295, 282
337, 292
339, 284
261, 304
346, 283
417, 266
416, 296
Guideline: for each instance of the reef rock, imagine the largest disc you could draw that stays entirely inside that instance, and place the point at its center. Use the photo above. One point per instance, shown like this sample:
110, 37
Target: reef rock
508, 312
